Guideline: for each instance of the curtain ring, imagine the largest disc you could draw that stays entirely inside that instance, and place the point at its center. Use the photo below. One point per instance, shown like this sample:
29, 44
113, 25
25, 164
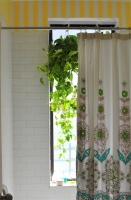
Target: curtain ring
98, 28
67, 30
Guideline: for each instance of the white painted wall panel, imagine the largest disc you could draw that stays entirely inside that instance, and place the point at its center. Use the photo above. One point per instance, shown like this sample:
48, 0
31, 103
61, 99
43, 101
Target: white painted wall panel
7, 110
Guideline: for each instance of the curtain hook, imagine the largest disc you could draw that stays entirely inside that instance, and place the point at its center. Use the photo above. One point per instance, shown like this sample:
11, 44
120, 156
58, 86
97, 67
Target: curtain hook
98, 25
96, 28
68, 29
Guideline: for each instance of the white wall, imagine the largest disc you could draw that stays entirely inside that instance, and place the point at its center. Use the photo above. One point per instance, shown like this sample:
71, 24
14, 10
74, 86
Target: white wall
6, 110
31, 122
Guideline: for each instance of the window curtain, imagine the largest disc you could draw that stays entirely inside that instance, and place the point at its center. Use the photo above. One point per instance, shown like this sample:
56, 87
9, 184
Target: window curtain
103, 117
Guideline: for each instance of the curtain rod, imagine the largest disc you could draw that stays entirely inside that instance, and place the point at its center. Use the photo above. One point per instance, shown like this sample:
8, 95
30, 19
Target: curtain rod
65, 28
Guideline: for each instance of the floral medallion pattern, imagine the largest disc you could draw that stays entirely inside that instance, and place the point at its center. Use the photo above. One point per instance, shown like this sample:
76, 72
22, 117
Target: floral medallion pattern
101, 133
112, 176
82, 135
124, 111
82, 126
82, 115
125, 138
124, 129
91, 175
128, 177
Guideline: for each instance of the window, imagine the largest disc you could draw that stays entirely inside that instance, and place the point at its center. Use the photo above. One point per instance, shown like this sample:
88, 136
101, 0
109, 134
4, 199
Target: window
59, 166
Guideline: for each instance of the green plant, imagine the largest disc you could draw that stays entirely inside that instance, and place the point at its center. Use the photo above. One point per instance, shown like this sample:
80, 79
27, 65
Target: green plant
60, 68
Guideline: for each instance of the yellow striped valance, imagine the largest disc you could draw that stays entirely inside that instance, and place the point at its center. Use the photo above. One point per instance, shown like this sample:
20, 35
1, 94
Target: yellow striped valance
36, 12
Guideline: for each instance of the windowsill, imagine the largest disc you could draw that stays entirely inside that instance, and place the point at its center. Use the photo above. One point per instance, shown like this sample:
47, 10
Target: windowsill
68, 183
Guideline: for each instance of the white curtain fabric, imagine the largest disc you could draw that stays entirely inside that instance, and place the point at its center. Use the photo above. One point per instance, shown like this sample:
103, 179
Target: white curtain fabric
103, 117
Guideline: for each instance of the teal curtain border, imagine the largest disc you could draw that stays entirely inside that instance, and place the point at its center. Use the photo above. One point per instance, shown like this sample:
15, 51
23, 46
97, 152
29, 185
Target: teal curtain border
104, 197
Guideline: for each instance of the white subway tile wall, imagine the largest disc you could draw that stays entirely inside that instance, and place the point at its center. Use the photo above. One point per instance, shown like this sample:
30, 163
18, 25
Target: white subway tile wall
31, 122
6, 110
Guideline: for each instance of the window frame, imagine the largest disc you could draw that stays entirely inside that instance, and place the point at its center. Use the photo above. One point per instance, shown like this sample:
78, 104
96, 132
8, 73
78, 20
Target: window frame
80, 25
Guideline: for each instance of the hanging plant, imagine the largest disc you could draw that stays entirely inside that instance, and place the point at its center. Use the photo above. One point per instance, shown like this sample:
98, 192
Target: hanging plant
60, 68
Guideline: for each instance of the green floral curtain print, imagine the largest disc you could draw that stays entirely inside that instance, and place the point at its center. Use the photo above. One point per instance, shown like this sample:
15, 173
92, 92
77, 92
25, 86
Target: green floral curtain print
103, 117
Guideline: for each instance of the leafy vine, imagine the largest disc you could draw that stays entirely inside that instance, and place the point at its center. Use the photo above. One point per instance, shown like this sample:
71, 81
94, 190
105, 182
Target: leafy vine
60, 68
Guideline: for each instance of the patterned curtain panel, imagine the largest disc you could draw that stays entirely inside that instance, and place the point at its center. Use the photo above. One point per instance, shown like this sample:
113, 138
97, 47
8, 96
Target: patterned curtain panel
103, 119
